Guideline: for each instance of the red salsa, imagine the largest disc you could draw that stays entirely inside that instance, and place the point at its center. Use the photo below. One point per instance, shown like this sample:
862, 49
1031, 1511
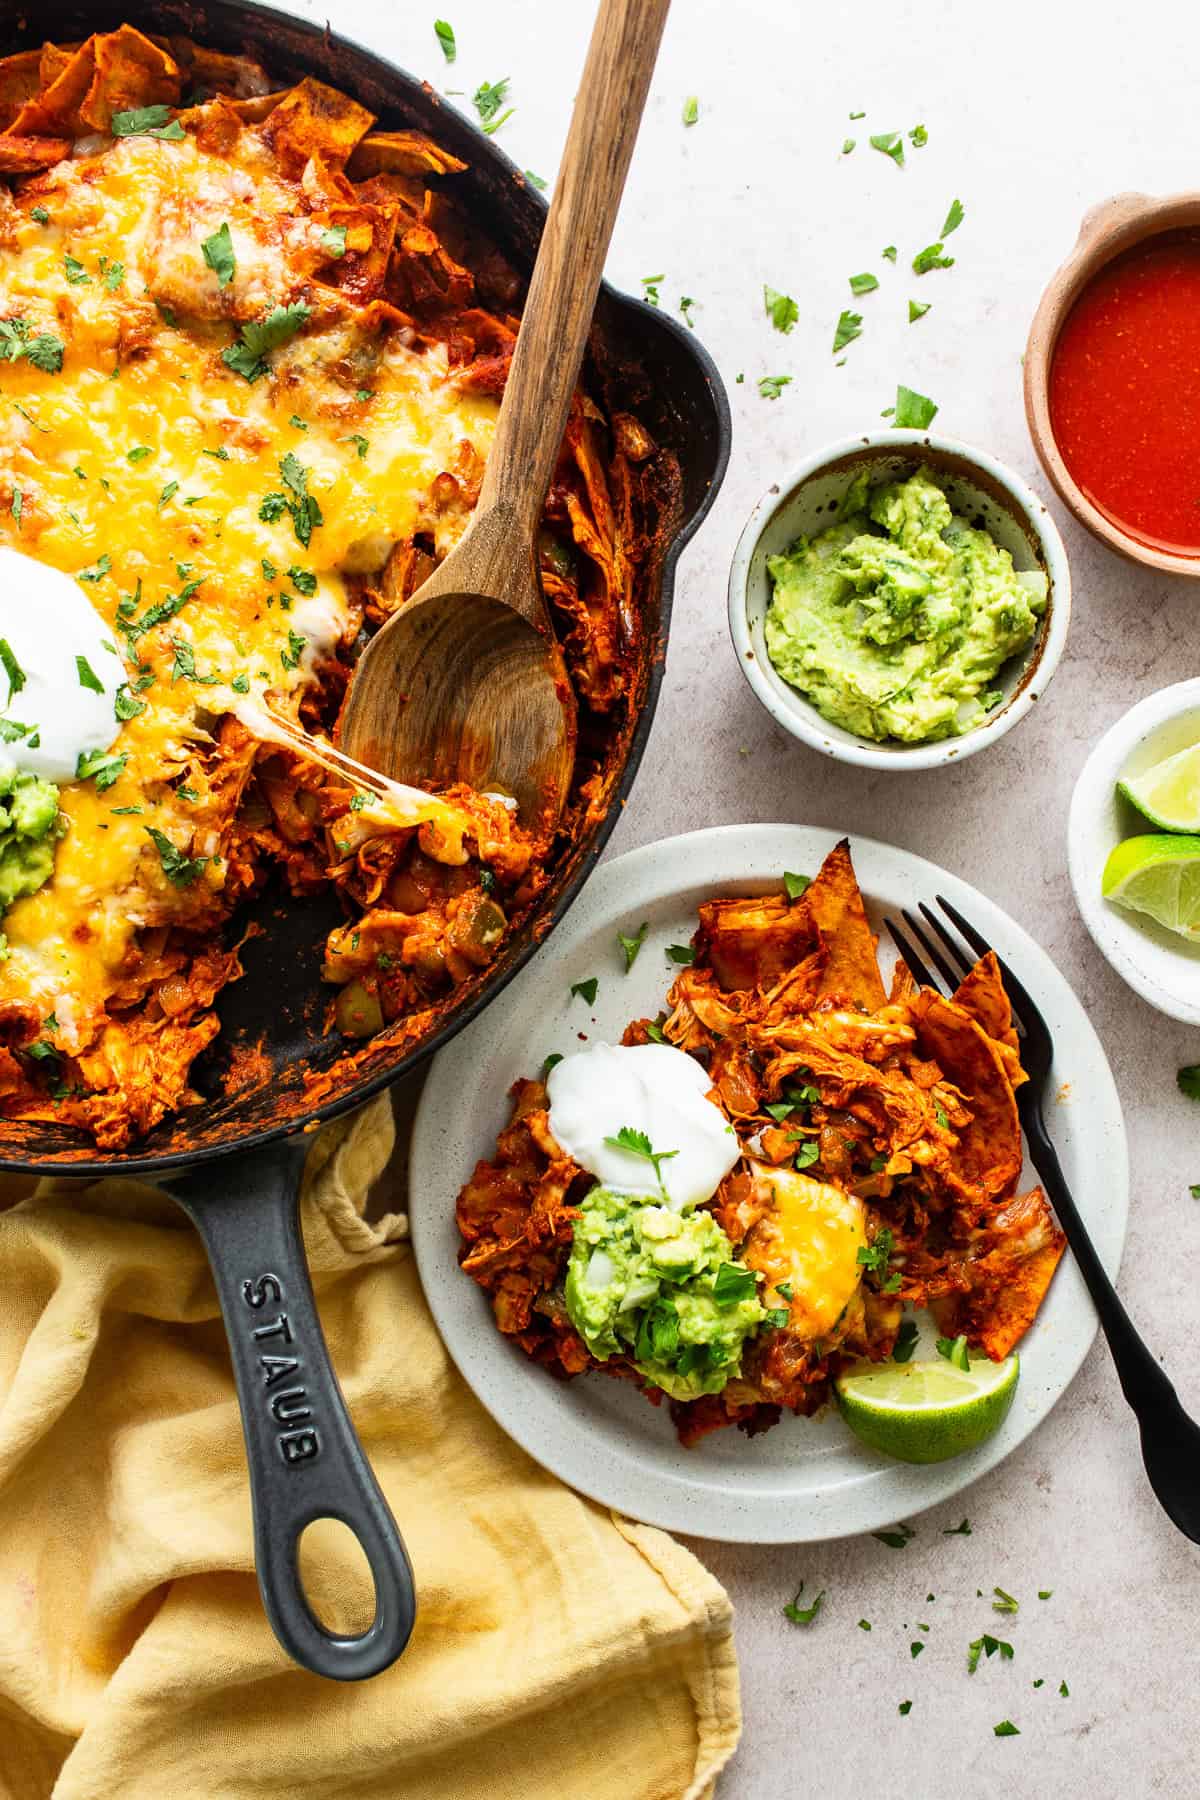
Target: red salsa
1125, 391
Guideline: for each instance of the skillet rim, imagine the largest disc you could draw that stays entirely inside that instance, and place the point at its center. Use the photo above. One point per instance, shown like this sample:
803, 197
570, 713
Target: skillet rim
542, 925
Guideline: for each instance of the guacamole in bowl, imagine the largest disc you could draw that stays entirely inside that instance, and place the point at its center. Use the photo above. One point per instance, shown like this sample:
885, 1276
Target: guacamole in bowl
896, 620
899, 600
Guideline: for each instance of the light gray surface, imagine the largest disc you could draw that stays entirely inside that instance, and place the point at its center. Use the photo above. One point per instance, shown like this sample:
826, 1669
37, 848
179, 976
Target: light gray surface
1034, 112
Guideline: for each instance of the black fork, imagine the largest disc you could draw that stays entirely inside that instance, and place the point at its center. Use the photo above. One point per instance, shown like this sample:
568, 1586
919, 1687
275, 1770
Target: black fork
1170, 1439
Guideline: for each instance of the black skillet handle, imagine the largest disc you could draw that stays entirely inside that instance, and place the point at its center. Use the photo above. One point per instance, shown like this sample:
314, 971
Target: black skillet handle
305, 1460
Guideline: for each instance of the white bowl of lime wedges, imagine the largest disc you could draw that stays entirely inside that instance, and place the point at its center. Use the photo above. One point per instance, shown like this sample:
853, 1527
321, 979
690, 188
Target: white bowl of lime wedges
1133, 844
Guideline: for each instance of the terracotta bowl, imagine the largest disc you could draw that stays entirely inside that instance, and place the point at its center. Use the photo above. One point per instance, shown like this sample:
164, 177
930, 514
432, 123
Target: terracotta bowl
1108, 229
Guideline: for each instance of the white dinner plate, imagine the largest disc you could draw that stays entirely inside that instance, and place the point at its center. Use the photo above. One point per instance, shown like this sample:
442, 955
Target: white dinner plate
807, 1478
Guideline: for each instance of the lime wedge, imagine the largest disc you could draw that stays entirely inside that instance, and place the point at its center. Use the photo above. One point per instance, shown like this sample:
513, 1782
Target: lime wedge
1169, 793
923, 1412
1159, 876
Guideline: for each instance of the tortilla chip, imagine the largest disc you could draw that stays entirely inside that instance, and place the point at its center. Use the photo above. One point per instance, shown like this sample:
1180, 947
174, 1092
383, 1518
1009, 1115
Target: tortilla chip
985, 997
361, 270
837, 916
1009, 1281
20, 80
753, 943
259, 106
211, 72
29, 155
130, 72
401, 153
54, 59
55, 111
989, 1154
315, 119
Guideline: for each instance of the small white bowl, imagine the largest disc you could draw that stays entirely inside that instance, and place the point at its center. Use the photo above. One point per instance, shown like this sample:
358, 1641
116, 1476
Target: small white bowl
1162, 968
807, 499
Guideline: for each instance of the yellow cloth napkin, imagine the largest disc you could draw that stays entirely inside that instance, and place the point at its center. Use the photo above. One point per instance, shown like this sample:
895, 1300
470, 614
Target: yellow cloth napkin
559, 1651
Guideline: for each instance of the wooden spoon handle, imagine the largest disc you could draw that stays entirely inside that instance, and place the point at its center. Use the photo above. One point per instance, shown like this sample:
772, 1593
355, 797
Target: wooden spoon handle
562, 293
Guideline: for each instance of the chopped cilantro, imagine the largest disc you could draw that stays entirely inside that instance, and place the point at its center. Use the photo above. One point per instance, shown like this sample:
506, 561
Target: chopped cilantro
11, 731
636, 1143
586, 990
897, 1539
96, 571
781, 309
906, 1341
361, 444
650, 288
731, 1282
915, 1648
875, 1257
303, 580
18, 506
849, 326
691, 109
88, 677
631, 945
147, 121
917, 310
551, 1062
13, 669
114, 275
1064, 1690
888, 253
1045, 1593
240, 684
771, 386
904, 1708
686, 304
795, 884
954, 218
445, 36
1187, 1080
333, 241
989, 1646
290, 658
139, 453
803, 1615
125, 706
848, 145
184, 665
179, 869
40, 214
892, 144
537, 181
918, 137
961, 1530
260, 336
914, 411
954, 1350
654, 1032
1004, 1602
806, 1155
1006, 1728
100, 765
77, 275
169, 492
217, 251
864, 1624
489, 98
932, 257
864, 284
681, 953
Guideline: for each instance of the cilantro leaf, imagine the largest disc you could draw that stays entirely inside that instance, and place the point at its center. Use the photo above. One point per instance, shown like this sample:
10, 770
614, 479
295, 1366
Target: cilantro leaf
917, 310
551, 1062
683, 954
803, 1615
260, 336
586, 990
849, 326
733, 1282
217, 251
961, 1530
1064, 1690
303, 580
954, 218
955, 1351
1005, 1728
848, 145
77, 275
918, 137
13, 669
488, 99
537, 181
1188, 1081
147, 121
906, 1341
781, 309
807, 1155
989, 1646
771, 386
100, 765
864, 284
631, 945
897, 1539
636, 1143
904, 1708
1004, 1602
892, 144
88, 677
913, 410
444, 33
179, 869
932, 258
96, 571
796, 884
888, 253
691, 109
333, 240
139, 453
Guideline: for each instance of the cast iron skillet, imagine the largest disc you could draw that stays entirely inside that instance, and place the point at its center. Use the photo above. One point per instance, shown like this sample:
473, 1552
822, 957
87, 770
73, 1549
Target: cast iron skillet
235, 1163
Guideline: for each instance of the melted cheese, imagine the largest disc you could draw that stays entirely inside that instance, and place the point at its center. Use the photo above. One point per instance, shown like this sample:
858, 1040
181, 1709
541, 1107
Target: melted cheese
184, 514
815, 1234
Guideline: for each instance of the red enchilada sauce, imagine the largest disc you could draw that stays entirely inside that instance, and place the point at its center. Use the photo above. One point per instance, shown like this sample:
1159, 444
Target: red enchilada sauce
1125, 391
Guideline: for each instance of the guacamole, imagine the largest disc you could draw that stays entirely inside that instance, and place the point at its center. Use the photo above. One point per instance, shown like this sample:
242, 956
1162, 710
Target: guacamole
661, 1287
895, 621
28, 833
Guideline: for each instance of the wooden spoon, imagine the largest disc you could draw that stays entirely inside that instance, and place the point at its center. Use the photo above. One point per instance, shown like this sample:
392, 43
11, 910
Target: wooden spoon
466, 681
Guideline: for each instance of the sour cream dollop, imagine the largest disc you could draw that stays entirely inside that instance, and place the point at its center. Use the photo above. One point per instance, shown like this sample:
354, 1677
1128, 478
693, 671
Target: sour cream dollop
55, 639
653, 1089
